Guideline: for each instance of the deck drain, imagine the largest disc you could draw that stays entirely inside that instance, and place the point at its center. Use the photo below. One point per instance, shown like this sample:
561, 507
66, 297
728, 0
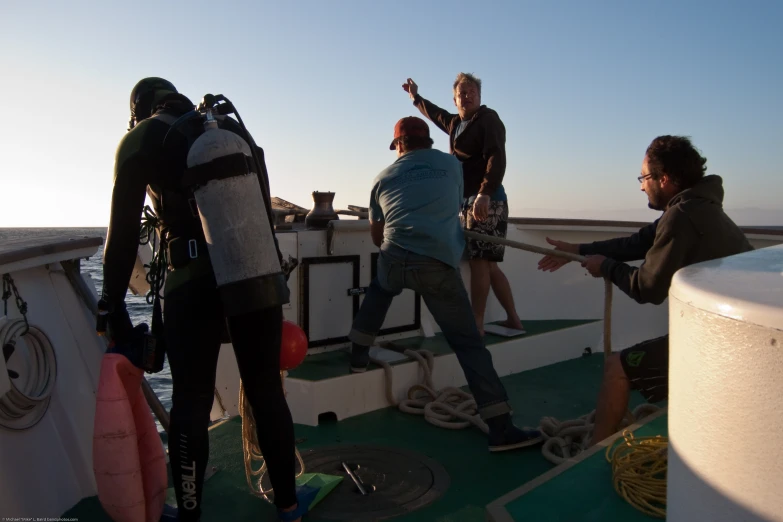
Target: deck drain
397, 481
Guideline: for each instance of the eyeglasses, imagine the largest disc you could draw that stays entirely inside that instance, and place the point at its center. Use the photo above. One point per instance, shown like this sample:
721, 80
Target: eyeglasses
642, 178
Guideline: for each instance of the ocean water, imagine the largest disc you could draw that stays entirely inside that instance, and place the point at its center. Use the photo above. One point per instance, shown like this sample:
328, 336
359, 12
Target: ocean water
138, 309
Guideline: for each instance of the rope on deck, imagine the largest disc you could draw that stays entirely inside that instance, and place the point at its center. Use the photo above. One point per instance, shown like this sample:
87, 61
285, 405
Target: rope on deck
252, 453
639, 467
567, 439
450, 408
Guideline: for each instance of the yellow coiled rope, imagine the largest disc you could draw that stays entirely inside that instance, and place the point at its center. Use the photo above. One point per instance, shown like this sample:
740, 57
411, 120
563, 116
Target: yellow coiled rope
252, 452
639, 472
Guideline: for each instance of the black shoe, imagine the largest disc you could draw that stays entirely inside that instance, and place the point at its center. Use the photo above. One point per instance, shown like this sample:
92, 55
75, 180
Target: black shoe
360, 358
504, 436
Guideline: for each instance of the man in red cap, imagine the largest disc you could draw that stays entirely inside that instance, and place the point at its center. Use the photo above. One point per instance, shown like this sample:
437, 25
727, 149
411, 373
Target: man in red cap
414, 220
477, 138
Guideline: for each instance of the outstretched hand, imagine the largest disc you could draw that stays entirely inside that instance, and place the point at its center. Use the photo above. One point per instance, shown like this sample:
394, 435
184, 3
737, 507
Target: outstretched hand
411, 88
593, 265
550, 263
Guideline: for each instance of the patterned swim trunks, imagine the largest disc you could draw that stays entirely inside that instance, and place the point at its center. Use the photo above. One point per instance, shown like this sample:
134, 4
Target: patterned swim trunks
495, 224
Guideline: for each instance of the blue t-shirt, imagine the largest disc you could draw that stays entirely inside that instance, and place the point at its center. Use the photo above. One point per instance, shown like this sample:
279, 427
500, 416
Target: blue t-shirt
418, 197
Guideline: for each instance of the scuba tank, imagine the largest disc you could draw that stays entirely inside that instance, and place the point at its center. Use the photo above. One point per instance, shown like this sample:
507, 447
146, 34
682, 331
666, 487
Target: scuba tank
224, 173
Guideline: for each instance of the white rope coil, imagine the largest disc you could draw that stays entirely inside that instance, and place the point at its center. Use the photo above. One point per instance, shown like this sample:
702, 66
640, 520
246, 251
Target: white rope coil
450, 408
21, 409
567, 439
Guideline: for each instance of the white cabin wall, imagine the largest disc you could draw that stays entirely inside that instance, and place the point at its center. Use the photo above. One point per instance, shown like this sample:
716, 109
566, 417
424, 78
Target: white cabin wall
565, 294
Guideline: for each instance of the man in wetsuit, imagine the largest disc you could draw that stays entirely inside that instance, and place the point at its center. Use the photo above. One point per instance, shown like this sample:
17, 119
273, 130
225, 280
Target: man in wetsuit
194, 319
692, 229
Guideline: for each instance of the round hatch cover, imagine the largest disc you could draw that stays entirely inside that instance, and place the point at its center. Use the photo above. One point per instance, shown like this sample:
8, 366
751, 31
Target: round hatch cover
396, 481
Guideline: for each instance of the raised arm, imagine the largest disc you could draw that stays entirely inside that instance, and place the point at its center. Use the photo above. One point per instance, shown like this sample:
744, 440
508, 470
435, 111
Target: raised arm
443, 119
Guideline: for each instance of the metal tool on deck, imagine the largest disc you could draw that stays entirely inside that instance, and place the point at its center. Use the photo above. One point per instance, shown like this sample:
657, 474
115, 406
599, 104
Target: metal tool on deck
355, 479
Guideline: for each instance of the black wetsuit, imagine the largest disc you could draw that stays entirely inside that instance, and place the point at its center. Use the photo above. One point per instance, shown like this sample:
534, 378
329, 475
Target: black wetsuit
194, 319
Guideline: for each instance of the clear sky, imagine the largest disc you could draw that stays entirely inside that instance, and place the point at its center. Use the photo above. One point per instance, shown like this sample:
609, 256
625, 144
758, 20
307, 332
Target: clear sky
582, 88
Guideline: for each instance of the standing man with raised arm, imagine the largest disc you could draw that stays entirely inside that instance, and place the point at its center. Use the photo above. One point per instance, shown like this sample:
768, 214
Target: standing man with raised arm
477, 138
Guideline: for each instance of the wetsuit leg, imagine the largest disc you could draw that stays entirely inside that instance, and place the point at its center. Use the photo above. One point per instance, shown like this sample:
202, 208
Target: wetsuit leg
256, 339
193, 323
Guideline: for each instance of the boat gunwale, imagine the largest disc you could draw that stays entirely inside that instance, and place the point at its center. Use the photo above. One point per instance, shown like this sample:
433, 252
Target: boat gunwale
19, 251
620, 224
565, 222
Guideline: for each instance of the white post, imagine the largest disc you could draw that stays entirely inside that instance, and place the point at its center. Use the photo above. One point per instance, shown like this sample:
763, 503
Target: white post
726, 390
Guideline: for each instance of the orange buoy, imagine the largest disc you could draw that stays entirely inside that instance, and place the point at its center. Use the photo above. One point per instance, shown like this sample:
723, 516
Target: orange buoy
293, 346
128, 458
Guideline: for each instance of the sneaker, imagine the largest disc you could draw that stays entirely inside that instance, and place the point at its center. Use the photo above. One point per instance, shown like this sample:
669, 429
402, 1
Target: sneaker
512, 438
290, 516
305, 495
360, 358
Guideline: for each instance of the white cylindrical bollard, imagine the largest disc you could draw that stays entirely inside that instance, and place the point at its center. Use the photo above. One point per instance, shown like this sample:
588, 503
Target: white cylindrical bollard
726, 390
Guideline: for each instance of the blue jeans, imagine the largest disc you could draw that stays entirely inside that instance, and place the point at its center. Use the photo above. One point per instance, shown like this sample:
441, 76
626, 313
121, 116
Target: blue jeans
443, 291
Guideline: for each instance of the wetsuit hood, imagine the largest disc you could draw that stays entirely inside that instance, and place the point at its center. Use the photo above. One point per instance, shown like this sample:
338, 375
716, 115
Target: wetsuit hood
172, 102
146, 95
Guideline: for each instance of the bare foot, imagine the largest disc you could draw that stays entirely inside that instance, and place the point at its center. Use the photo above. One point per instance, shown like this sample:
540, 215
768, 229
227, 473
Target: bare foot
514, 324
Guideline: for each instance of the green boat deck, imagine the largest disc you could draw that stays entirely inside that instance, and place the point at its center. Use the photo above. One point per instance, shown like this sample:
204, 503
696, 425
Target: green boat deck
477, 477
587, 486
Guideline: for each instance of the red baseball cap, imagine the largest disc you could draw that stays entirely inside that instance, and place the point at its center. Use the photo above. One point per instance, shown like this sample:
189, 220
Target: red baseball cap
410, 126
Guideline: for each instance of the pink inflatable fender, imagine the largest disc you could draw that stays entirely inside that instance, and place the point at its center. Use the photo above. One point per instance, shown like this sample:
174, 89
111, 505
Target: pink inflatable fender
128, 458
